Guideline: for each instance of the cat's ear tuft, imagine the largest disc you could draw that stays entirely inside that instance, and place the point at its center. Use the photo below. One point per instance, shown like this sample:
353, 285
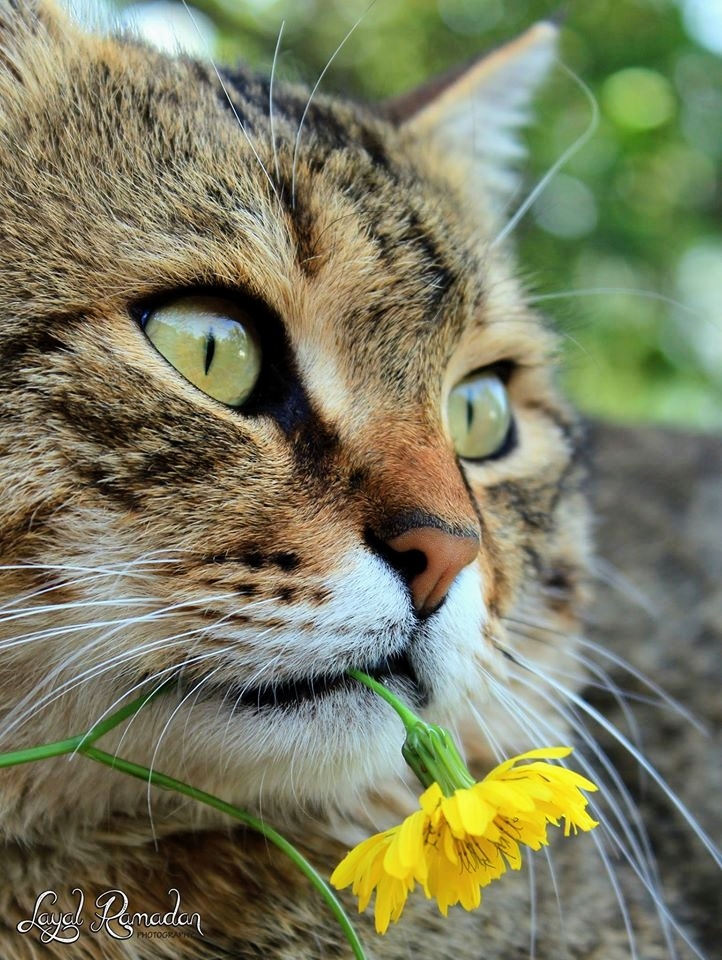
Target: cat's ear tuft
475, 113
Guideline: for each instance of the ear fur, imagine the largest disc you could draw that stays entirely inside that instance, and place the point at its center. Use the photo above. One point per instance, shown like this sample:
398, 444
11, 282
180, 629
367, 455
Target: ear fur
474, 115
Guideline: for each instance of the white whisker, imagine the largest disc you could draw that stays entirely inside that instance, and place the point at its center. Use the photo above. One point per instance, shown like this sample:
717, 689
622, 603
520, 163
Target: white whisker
496, 747
639, 857
619, 894
607, 573
274, 145
119, 659
603, 682
575, 147
301, 122
235, 113
629, 816
663, 698
531, 867
626, 291
151, 766
557, 897
624, 741
533, 727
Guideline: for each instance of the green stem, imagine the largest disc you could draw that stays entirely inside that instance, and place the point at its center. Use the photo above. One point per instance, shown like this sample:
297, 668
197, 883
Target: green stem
408, 717
72, 744
170, 783
432, 754
56, 749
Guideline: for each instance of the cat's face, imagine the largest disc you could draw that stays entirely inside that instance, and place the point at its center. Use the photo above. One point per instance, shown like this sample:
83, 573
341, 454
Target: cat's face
333, 511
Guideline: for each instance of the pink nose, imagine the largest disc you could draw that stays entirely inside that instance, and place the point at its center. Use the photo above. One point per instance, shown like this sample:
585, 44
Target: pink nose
446, 555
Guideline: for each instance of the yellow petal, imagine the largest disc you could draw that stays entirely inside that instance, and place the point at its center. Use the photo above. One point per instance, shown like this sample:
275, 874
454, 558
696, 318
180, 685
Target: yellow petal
430, 799
506, 797
448, 847
542, 753
345, 872
390, 899
468, 812
404, 856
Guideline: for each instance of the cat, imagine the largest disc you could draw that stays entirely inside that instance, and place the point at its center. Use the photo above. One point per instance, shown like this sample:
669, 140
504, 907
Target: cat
274, 407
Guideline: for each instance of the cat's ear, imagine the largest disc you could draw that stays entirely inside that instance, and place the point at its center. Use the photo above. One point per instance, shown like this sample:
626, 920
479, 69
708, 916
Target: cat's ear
475, 113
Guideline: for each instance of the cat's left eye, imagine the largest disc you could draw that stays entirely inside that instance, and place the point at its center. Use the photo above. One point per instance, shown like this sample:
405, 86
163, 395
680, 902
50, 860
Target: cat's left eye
479, 415
210, 341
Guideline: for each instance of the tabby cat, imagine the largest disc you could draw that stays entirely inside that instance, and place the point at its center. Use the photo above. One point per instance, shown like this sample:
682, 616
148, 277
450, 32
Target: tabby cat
273, 406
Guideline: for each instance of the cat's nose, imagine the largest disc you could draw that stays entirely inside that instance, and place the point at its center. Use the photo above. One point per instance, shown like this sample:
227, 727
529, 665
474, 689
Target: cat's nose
431, 559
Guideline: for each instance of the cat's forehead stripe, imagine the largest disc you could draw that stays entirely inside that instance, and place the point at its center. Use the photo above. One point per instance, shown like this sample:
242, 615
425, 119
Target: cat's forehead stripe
341, 146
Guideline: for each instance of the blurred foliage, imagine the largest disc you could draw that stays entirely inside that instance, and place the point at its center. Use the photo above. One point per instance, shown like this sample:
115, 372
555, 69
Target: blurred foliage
634, 217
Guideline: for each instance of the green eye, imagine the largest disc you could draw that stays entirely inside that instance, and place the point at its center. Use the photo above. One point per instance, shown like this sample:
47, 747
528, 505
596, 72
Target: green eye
210, 341
479, 416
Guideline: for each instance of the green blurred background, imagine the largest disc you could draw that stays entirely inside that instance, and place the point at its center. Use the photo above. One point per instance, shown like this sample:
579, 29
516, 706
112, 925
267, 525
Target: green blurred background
623, 248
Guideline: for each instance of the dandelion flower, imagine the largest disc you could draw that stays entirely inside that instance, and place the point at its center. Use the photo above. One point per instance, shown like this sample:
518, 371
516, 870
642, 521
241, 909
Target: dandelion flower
464, 834
455, 845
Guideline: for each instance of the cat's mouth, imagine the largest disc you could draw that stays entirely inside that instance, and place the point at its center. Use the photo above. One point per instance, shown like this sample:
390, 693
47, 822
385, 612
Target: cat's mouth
398, 668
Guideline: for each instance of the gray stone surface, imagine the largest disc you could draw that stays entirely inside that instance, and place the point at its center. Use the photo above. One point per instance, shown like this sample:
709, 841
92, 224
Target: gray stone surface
658, 497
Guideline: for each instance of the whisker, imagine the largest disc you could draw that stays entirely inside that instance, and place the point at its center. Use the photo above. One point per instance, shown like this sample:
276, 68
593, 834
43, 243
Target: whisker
120, 658
627, 291
532, 727
603, 682
164, 675
271, 119
50, 632
79, 680
624, 742
149, 789
642, 863
663, 697
531, 867
573, 149
628, 817
607, 573
249, 684
496, 747
639, 858
93, 574
235, 113
557, 897
35, 611
619, 894
301, 122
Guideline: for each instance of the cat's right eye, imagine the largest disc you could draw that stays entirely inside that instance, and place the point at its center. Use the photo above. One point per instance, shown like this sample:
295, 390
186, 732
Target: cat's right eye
211, 341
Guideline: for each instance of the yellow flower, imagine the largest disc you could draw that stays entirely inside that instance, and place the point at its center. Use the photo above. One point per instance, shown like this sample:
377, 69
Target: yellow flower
455, 845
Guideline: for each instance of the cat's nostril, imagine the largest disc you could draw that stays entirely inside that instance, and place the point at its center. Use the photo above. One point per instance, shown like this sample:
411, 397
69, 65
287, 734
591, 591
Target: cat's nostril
429, 559
409, 563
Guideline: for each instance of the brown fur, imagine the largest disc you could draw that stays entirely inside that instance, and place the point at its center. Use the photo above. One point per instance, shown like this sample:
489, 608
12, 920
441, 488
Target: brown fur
126, 492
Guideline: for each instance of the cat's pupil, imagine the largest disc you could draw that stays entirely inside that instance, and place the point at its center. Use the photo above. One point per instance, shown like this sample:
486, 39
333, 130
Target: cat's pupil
210, 351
